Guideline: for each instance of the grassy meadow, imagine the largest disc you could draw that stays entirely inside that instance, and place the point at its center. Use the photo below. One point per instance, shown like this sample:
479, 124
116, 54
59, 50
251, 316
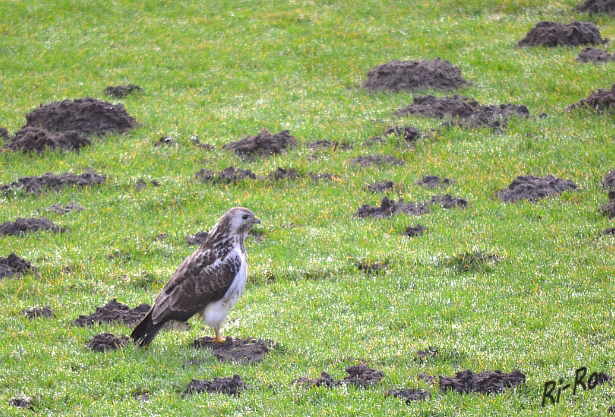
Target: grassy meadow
224, 70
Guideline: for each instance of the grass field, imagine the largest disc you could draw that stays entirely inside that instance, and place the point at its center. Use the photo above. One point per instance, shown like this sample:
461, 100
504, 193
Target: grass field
226, 70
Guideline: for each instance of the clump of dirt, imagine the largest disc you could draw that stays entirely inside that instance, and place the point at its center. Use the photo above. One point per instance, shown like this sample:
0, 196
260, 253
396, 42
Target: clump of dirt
476, 261
433, 181
361, 376
226, 176
104, 342
327, 144
430, 352
594, 55
34, 139
323, 176
141, 184
534, 188
236, 350
554, 34
430, 379
86, 116
597, 7
609, 181
229, 386
598, 100
608, 209
24, 402
609, 231
390, 208
197, 239
14, 265
284, 174
488, 382
365, 161
380, 187
409, 394
465, 112
448, 202
54, 182
417, 230
70, 207
33, 224
264, 143
409, 133
35, 312
414, 75
372, 267
114, 312
122, 90
4, 134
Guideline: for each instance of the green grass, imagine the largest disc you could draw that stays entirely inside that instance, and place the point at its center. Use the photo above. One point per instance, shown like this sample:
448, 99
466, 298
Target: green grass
226, 70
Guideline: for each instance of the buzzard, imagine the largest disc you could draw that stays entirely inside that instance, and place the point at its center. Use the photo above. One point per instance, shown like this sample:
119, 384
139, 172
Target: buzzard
208, 282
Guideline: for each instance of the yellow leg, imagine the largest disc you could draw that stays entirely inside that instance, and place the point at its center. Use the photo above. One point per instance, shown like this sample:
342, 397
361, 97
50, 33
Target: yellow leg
218, 338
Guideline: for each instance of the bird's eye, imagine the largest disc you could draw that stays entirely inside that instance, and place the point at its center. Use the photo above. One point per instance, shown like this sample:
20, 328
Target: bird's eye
245, 217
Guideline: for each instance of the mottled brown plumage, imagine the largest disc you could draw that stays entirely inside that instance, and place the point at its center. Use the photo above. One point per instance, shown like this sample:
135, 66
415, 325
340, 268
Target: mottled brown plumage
209, 282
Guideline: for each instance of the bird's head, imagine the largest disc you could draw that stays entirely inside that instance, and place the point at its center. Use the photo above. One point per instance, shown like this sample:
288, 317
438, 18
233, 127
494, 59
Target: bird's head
239, 220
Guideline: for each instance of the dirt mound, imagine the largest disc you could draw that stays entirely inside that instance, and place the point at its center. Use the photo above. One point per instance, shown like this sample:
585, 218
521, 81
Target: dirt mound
327, 144
390, 208
417, 230
433, 181
35, 312
609, 181
226, 176
595, 55
414, 75
365, 161
70, 207
230, 386
447, 202
409, 133
122, 90
107, 341
54, 182
284, 174
33, 224
380, 187
34, 139
24, 402
534, 188
236, 350
597, 7
598, 100
114, 312
488, 382
409, 394
608, 209
361, 376
555, 34
263, 144
465, 112
86, 116
14, 265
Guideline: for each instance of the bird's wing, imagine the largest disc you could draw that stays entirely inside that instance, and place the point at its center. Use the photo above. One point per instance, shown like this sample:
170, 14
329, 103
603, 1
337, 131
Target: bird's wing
203, 277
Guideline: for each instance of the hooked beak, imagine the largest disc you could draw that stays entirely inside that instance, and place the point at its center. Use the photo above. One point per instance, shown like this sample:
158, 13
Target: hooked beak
256, 221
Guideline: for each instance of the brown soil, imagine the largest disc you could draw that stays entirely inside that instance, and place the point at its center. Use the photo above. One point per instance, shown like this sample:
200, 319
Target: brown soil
35, 312
598, 100
14, 265
609, 181
21, 403
264, 144
54, 182
230, 386
122, 90
447, 201
365, 161
104, 342
361, 376
608, 209
595, 55
554, 34
597, 7
34, 139
534, 188
488, 382
433, 181
409, 394
226, 176
390, 208
417, 230
114, 312
236, 350
409, 133
380, 187
33, 224
414, 75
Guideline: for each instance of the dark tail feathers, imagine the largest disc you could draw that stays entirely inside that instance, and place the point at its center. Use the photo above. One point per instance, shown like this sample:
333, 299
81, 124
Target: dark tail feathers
145, 331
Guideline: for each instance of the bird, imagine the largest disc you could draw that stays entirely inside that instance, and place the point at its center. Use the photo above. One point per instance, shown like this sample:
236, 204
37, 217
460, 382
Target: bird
209, 282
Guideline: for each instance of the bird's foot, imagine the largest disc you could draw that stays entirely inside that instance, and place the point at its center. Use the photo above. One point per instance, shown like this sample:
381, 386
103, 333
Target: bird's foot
219, 339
